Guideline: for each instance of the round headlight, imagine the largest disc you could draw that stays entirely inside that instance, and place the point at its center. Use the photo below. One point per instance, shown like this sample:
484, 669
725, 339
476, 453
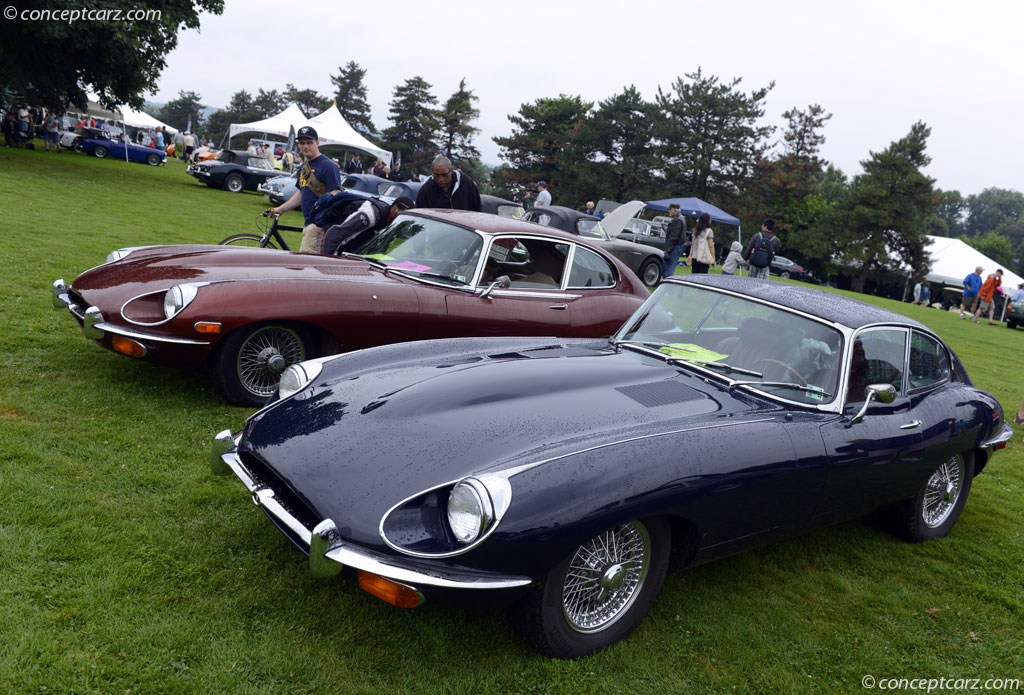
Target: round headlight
297, 377
469, 510
177, 298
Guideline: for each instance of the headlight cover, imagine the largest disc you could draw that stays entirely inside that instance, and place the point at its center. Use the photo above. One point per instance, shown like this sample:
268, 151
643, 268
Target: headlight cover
297, 377
470, 511
177, 298
118, 254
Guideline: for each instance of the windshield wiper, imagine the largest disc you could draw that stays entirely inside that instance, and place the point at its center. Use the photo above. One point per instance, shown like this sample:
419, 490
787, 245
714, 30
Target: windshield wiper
716, 365
371, 261
441, 276
784, 384
646, 343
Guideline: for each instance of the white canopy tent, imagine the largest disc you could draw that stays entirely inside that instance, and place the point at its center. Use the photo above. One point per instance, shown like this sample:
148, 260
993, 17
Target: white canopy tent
333, 129
280, 124
953, 260
124, 114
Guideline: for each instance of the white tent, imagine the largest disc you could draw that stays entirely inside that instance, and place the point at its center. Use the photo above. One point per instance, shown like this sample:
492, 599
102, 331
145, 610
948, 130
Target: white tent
140, 119
333, 129
953, 260
280, 124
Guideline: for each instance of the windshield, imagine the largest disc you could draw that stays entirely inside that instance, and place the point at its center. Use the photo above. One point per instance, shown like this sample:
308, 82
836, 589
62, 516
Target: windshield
762, 346
591, 229
427, 248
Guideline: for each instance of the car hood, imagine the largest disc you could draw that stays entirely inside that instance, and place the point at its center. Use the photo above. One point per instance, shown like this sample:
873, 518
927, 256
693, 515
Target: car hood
157, 268
382, 425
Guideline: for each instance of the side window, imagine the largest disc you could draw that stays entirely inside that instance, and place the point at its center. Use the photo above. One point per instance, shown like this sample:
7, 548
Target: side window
590, 270
877, 358
540, 218
528, 263
929, 361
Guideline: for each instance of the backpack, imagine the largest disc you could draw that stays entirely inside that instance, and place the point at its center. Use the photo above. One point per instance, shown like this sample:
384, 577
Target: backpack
763, 252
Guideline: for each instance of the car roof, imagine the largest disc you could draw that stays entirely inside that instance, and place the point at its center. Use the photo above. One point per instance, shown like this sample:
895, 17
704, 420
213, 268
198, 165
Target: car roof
831, 307
492, 224
566, 214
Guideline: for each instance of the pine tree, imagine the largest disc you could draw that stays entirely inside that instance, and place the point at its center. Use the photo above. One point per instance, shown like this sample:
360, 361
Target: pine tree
413, 132
351, 98
455, 118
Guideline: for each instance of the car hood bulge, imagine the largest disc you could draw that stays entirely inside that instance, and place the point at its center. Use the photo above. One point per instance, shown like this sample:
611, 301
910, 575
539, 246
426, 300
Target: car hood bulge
366, 437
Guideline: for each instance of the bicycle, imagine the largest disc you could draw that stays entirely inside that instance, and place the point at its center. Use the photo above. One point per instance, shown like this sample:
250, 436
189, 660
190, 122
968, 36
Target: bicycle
270, 238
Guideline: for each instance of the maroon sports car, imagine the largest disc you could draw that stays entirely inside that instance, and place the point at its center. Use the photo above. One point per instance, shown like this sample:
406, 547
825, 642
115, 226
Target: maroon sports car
249, 313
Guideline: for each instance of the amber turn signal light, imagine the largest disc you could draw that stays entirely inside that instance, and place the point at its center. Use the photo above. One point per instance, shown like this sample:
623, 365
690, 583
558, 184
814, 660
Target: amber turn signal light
207, 327
386, 590
126, 346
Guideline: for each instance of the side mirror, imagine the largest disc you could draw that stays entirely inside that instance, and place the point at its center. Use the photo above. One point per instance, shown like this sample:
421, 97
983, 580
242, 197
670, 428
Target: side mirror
502, 283
883, 393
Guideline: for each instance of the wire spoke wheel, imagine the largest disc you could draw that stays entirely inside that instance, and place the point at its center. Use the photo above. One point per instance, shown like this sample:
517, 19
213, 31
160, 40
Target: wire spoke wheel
605, 576
250, 240
942, 492
264, 355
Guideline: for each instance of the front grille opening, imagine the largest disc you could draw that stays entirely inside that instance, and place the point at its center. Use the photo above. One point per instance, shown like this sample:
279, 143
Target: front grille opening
266, 477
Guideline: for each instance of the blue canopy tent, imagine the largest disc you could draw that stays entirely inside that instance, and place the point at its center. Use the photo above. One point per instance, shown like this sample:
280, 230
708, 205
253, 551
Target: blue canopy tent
695, 207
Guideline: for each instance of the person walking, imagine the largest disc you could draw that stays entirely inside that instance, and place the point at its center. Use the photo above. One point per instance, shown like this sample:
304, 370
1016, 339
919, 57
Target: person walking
448, 188
52, 129
761, 250
926, 295
702, 250
675, 236
987, 296
972, 285
318, 176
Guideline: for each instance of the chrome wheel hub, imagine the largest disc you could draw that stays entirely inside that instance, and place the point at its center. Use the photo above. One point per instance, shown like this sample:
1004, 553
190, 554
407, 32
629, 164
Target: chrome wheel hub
265, 355
605, 576
942, 492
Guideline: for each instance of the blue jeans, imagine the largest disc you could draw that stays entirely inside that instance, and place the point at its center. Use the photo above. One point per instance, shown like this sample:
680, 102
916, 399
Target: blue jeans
668, 266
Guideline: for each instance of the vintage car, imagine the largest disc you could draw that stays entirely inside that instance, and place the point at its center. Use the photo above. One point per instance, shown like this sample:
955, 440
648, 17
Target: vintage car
567, 475
279, 188
375, 185
1014, 313
248, 313
96, 143
500, 206
649, 232
234, 170
645, 261
785, 268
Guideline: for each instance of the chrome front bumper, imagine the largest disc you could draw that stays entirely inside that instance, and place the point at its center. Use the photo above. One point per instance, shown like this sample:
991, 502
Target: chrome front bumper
994, 443
94, 327
328, 553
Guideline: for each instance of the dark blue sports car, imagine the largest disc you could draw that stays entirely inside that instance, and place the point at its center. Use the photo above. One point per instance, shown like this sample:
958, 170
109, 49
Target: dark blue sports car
570, 475
101, 146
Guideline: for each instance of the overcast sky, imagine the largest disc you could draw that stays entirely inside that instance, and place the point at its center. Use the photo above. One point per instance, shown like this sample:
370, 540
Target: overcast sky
877, 66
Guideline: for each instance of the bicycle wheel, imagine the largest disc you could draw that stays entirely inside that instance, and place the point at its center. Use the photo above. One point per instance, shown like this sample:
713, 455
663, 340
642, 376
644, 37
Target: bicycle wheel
254, 240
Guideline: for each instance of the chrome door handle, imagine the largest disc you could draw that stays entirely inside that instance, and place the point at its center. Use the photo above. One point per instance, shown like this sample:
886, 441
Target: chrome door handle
911, 425
560, 307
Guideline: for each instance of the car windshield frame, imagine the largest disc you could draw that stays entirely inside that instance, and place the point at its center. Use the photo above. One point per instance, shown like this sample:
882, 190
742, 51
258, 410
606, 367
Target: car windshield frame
406, 243
782, 353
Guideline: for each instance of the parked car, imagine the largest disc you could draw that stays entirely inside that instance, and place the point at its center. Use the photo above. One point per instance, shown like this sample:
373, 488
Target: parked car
643, 260
500, 206
234, 170
1014, 314
785, 268
649, 232
568, 475
247, 313
96, 143
279, 188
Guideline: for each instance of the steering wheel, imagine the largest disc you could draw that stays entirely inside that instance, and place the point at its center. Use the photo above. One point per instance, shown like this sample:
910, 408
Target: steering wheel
787, 367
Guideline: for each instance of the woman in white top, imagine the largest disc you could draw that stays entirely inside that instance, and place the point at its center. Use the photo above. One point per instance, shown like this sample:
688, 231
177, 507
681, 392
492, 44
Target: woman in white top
702, 250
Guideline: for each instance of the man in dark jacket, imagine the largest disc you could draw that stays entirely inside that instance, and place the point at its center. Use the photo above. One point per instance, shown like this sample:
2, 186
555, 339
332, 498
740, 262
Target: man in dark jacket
362, 225
448, 188
675, 235
354, 166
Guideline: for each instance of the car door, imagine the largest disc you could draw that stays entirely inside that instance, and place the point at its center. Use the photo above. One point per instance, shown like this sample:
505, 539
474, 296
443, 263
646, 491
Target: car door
871, 461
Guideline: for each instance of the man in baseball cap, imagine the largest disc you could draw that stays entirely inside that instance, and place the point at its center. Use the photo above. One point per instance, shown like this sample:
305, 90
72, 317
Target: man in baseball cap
373, 216
318, 176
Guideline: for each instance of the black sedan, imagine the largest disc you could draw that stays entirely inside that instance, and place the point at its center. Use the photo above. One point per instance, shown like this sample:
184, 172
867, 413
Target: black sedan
234, 170
569, 474
644, 260
785, 268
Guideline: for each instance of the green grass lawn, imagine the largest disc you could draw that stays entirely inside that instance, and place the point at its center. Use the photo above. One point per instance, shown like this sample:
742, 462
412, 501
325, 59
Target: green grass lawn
125, 567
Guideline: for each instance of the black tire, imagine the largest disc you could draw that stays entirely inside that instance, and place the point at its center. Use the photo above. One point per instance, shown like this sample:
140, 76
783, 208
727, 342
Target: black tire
253, 240
650, 272
1010, 324
245, 369
933, 511
784, 275
572, 614
76, 145
234, 183
100, 151
153, 160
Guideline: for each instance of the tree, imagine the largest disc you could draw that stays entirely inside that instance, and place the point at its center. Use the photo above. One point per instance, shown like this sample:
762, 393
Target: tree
801, 136
951, 210
54, 63
455, 118
414, 124
267, 104
995, 246
351, 98
613, 152
241, 109
888, 210
308, 100
706, 136
990, 208
536, 149
187, 108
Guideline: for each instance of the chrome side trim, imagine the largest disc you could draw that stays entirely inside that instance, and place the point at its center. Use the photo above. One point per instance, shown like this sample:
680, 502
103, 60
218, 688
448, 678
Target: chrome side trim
339, 552
105, 327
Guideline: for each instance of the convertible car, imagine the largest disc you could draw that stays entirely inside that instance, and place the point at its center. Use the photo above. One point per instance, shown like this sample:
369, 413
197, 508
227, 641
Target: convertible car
642, 259
234, 170
569, 475
249, 313
96, 143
